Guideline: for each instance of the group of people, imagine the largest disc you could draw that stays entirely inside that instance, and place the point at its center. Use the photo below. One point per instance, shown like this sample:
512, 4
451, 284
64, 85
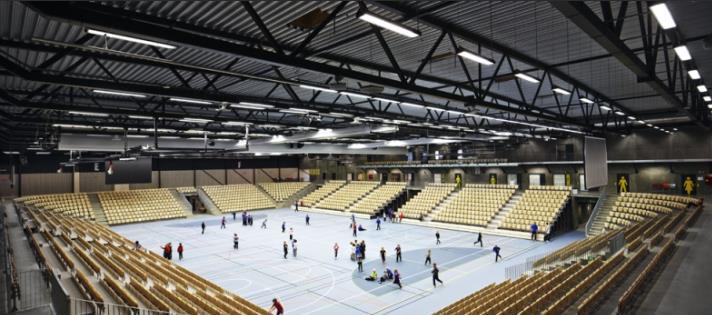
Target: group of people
387, 275
167, 250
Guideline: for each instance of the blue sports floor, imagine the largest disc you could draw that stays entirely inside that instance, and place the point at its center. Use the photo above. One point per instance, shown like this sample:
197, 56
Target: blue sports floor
316, 283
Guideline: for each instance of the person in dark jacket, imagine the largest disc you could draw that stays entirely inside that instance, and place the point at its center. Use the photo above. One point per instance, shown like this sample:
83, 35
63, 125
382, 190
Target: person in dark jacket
397, 278
436, 275
285, 247
479, 239
202, 226
496, 250
399, 257
535, 230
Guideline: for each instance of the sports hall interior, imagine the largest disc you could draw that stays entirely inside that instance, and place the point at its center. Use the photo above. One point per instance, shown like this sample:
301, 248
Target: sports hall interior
355, 157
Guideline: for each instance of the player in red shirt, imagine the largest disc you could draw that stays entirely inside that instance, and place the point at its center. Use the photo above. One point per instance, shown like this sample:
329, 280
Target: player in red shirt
277, 306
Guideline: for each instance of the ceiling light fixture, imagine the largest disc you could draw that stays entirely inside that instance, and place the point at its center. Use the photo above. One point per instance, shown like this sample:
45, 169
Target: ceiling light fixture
474, 57
88, 114
352, 94
662, 14
187, 100
586, 100
619, 113
702, 88
709, 106
391, 26
385, 100
526, 77
140, 117
318, 88
707, 98
694, 74
196, 120
236, 123
604, 107
130, 39
335, 114
248, 105
683, 53
631, 117
413, 105
117, 93
561, 91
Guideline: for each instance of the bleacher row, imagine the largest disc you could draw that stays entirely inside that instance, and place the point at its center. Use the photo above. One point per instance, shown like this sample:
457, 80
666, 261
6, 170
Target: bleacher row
283, 191
635, 207
427, 199
238, 197
540, 205
320, 193
122, 207
476, 204
109, 271
347, 195
378, 198
567, 280
76, 205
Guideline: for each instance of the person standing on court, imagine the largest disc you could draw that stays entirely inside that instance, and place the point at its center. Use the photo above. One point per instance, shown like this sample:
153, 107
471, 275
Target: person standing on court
363, 249
285, 247
202, 226
222, 223
496, 250
180, 251
244, 218
353, 226
383, 255
291, 234
307, 219
234, 216
284, 226
436, 275
359, 260
399, 258
336, 251
479, 239
277, 307
264, 223
535, 229
427, 258
296, 206
378, 223
294, 248
437, 237
396, 278
235, 241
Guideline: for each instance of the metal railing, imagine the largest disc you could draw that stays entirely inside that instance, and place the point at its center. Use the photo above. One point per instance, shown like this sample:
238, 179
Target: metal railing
596, 208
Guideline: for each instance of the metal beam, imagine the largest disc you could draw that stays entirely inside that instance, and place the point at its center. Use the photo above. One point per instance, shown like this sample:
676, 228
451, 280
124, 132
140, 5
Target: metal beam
581, 15
106, 21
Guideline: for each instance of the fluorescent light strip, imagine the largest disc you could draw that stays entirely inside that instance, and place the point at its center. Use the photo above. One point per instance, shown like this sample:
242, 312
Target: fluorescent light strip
526, 77
586, 100
247, 105
385, 100
140, 117
88, 114
186, 100
662, 14
561, 91
196, 120
335, 114
683, 53
702, 88
130, 39
619, 113
43, 153
311, 87
694, 74
391, 26
631, 117
413, 105
117, 93
604, 107
236, 123
475, 57
355, 95
707, 98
